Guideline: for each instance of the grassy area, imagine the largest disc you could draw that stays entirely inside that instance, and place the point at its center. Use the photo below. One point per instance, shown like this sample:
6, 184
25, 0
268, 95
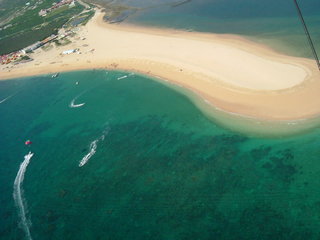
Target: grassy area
8, 8
87, 17
29, 17
56, 11
82, 19
30, 27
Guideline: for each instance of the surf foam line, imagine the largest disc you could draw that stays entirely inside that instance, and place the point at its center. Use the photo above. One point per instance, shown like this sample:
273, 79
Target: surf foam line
93, 148
18, 194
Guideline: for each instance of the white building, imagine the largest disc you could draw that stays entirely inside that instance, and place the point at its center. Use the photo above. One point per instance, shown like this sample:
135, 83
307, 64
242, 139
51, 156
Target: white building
42, 13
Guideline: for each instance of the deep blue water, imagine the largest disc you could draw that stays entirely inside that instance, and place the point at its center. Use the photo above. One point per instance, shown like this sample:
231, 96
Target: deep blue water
159, 170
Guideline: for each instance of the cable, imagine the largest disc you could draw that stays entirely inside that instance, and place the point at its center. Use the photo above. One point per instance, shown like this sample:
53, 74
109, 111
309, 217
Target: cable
307, 34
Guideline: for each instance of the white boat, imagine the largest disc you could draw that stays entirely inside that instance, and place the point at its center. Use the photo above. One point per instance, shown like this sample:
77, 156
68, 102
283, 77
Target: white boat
55, 75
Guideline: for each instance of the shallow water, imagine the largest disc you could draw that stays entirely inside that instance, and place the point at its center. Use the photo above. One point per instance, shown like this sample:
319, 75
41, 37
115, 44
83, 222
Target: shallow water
159, 171
275, 23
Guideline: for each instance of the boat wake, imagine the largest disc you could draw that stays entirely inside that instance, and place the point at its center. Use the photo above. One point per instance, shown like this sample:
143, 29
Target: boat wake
126, 76
18, 194
3, 100
123, 77
92, 151
72, 105
93, 148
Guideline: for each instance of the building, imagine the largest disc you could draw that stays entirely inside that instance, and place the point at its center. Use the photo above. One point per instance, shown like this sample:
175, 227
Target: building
55, 5
48, 39
8, 58
43, 12
33, 47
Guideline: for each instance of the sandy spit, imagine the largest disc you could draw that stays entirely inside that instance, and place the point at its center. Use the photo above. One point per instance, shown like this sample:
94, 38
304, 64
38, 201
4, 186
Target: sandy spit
232, 73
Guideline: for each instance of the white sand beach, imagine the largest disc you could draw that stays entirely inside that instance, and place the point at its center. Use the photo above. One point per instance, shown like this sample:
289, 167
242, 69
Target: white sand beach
232, 73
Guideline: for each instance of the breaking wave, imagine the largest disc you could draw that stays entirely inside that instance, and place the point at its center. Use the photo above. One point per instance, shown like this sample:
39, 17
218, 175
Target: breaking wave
93, 148
18, 194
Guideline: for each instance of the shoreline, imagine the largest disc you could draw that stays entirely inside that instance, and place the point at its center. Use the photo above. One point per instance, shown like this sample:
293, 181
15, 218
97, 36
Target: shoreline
288, 89
248, 125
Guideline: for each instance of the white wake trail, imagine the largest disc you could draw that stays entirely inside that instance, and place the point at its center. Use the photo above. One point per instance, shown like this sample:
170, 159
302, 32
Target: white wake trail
93, 148
92, 151
3, 100
123, 77
72, 105
18, 194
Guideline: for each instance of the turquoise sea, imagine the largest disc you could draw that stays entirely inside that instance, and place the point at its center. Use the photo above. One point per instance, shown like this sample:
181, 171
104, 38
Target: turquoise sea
135, 159
153, 166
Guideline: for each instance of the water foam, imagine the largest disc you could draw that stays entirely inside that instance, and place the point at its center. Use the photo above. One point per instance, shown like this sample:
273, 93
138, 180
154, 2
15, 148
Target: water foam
93, 148
18, 194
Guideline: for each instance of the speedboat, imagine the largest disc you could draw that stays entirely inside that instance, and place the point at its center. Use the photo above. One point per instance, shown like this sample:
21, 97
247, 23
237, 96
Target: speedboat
55, 75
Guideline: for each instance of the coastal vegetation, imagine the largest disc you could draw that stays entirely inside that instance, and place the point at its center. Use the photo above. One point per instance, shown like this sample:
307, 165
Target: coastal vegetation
80, 19
115, 11
29, 27
9, 9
